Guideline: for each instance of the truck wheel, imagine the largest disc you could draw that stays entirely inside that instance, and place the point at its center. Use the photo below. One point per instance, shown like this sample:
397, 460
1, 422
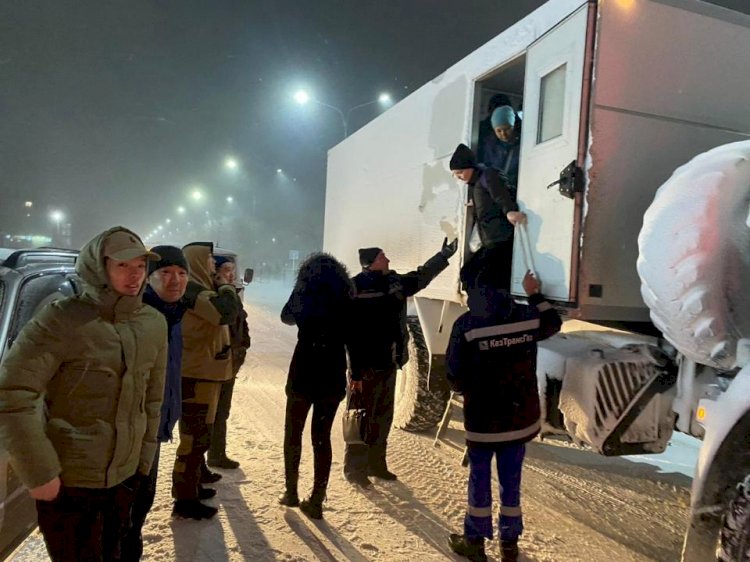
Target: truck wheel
735, 529
420, 401
693, 262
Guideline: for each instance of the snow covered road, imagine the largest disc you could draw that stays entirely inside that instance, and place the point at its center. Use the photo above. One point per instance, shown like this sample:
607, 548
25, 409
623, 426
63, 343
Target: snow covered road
577, 505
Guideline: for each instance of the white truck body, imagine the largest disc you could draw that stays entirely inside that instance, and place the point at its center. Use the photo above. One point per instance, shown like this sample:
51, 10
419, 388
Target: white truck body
624, 92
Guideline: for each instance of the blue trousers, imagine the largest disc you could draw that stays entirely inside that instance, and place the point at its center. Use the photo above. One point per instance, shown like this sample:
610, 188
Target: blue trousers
478, 520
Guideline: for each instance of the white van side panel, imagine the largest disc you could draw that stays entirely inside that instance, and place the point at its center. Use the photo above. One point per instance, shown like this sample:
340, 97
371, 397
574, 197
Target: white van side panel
669, 83
389, 184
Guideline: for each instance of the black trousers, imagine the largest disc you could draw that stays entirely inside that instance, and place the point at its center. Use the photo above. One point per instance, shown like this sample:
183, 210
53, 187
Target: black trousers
323, 412
378, 397
132, 544
87, 524
495, 263
218, 448
199, 400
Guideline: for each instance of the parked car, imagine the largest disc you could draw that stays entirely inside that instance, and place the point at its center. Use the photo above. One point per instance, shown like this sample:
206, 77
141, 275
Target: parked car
29, 279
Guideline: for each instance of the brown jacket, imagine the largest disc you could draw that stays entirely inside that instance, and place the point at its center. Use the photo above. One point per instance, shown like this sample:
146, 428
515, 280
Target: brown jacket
206, 352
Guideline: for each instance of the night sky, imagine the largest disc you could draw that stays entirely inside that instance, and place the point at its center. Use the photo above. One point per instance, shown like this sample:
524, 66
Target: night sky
113, 111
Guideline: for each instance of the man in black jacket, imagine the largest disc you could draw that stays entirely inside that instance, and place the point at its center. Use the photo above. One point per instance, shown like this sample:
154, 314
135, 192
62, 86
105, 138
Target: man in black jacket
495, 214
491, 360
379, 349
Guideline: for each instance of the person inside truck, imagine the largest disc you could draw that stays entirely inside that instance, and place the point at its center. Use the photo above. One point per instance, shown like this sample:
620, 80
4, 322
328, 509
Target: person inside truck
486, 130
501, 150
491, 360
495, 215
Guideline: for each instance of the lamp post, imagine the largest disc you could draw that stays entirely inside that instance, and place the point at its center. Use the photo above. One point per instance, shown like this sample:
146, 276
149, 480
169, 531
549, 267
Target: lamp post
57, 217
302, 98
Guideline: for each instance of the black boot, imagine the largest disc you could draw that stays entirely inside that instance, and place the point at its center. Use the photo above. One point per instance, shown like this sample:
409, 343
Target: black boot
223, 462
193, 509
377, 465
208, 477
471, 548
289, 498
509, 551
217, 452
206, 493
313, 506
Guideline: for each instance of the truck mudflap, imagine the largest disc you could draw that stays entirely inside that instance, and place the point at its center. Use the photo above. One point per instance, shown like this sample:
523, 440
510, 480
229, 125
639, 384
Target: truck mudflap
616, 400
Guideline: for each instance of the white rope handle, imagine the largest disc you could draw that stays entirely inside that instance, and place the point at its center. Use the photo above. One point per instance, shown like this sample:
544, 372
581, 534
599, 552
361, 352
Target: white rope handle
526, 247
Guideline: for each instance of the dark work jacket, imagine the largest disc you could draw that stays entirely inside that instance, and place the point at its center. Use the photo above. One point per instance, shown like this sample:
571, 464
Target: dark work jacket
171, 408
491, 359
380, 315
318, 367
504, 157
493, 198
239, 337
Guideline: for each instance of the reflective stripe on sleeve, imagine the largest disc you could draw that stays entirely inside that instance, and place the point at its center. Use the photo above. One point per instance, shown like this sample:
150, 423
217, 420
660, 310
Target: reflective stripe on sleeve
479, 511
369, 295
503, 436
510, 511
502, 329
542, 306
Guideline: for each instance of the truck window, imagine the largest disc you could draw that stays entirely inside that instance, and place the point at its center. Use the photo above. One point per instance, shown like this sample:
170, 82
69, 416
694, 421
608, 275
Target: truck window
551, 105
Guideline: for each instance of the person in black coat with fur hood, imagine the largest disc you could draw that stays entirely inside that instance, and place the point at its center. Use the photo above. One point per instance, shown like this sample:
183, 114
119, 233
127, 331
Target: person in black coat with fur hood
320, 306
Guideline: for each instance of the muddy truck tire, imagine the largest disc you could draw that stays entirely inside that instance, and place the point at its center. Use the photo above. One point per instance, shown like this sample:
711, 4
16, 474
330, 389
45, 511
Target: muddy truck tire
735, 528
420, 398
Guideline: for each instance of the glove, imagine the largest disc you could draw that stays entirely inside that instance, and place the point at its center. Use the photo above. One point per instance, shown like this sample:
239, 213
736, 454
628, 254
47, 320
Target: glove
449, 249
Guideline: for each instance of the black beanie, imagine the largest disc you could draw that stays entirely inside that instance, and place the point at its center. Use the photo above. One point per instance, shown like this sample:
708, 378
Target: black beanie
170, 255
463, 158
368, 255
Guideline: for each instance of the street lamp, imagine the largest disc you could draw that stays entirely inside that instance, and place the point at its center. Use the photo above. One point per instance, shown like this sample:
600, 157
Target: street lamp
230, 199
196, 195
181, 210
57, 217
302, 98
231, 164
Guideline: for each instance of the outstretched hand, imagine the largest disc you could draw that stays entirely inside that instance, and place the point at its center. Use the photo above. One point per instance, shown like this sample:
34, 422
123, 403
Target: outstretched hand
449, 249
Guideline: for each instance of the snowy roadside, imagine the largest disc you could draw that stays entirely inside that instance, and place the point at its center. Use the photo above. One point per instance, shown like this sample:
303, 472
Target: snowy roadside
577, 505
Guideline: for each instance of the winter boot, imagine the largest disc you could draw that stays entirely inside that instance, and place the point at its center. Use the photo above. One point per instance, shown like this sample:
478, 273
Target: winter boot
359, 480
205, 493
223, 462
208, 477
193, 509
377, 465
289, 499
509, 551
471, 548
313, 506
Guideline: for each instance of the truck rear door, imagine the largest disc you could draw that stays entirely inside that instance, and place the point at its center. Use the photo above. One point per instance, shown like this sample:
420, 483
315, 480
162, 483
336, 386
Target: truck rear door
550, 142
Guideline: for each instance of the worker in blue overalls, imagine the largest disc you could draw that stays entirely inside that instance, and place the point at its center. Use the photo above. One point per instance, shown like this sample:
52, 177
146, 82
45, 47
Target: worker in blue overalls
492, 361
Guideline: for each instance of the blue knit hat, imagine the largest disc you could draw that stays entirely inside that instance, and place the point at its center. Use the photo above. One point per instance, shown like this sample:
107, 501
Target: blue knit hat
503, 115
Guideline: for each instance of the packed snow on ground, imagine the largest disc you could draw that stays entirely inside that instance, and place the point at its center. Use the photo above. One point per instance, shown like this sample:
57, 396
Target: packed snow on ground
577, 505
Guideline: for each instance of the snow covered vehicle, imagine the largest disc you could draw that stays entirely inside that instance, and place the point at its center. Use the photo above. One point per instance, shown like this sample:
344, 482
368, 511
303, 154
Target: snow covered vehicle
616, 95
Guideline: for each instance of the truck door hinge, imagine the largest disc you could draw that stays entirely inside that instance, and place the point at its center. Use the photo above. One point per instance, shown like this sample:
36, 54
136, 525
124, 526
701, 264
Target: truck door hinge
571, 180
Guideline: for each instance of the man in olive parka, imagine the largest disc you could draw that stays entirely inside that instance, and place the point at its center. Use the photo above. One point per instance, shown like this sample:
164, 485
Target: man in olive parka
206, 364
80, 398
